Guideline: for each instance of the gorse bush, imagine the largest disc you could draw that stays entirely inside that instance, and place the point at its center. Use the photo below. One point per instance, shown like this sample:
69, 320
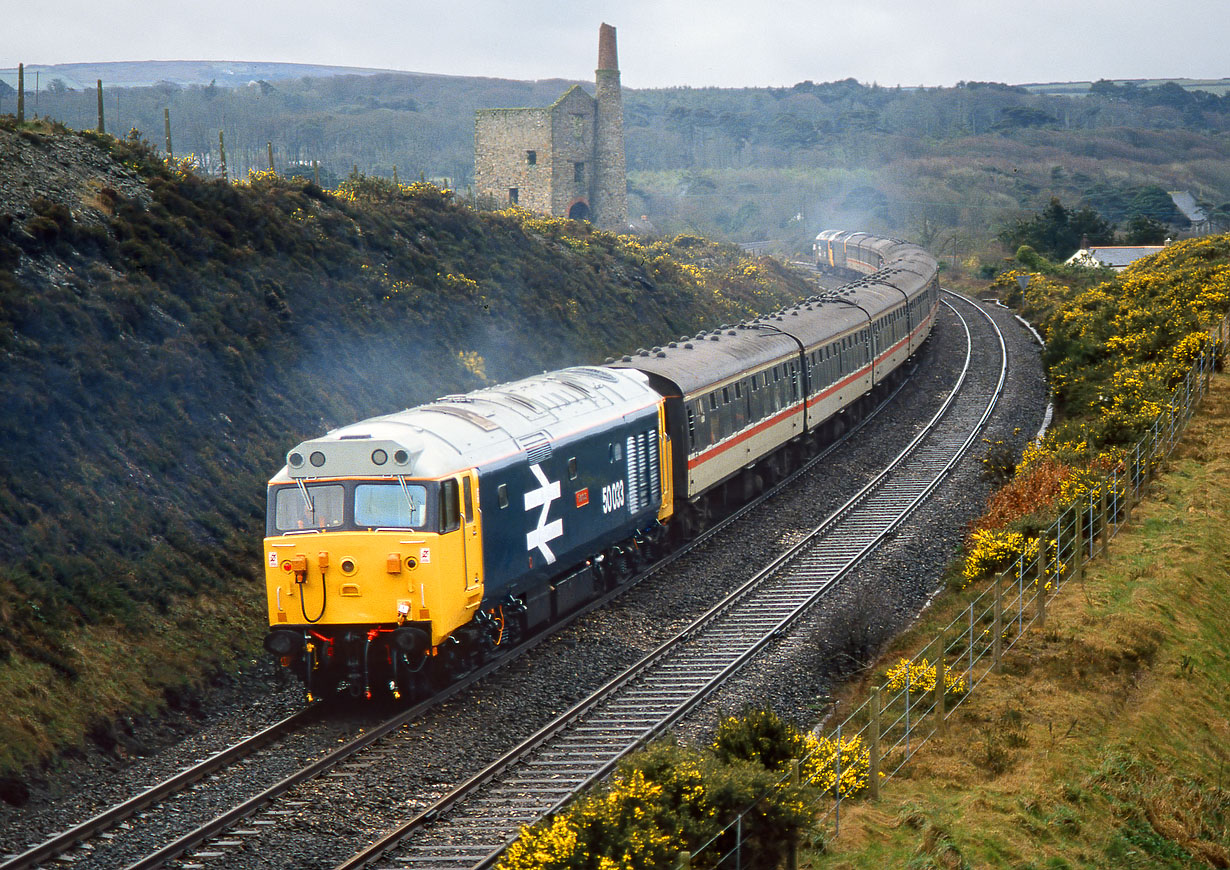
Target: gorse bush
919, 677
670, 798
1114, 354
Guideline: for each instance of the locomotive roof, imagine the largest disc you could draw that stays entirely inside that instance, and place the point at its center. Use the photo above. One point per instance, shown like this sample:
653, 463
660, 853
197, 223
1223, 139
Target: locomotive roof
477, 428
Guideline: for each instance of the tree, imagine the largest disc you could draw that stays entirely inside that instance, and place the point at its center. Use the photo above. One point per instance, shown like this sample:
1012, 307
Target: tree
1154, 202
1057, 232
1144, 230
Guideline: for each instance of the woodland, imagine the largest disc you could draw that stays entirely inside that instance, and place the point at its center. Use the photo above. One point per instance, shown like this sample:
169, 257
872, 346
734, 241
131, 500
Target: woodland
947, 167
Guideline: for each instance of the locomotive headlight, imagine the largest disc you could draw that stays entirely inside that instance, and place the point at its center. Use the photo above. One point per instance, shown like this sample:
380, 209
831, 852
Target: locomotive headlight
317, 459
379, 457
295, 460
348, 566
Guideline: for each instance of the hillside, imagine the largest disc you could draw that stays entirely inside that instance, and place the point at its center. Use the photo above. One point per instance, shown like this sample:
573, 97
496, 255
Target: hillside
942, 166
165, 337
145, 73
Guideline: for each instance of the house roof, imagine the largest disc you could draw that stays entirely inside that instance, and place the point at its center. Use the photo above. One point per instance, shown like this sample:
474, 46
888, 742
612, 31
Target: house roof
1113, 256
1118, 256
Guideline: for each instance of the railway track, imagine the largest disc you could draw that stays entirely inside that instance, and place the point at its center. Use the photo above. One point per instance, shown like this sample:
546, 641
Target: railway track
212, 840
472, 825
108, 819
89, 840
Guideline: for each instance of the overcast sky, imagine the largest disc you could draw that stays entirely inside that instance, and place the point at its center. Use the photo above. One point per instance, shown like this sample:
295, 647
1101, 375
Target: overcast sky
662, 43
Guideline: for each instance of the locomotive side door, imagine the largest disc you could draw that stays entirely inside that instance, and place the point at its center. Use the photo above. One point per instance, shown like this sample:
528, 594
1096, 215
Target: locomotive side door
472, 550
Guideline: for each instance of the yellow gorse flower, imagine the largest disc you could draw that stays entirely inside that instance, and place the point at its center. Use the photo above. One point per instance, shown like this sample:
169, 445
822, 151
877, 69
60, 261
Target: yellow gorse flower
920, 677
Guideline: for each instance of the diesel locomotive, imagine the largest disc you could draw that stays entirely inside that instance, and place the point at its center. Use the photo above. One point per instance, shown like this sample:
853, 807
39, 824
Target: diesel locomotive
401, 551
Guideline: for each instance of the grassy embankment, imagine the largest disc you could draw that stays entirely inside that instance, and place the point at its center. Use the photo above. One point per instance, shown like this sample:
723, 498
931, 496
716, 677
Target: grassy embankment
1124, 686
1104, 742
164, 338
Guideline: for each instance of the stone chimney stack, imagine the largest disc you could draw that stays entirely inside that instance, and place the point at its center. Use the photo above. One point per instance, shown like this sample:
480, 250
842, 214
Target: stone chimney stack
610, 197
608, 57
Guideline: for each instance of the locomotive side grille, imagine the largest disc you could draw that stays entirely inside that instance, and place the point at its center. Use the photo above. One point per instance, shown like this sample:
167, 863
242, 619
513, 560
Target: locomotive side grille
655, 489
642, 470
537, 447
634, 476
642, 459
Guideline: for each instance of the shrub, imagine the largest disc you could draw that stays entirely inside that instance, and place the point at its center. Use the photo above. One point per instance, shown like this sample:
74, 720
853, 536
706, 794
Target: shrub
670, 798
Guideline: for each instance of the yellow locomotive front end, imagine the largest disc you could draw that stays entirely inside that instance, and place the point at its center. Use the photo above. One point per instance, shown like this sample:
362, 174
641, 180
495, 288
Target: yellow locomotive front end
368, 577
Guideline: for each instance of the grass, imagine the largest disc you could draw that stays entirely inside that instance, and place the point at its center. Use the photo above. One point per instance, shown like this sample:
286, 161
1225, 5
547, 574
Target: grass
41, 716
1105, 741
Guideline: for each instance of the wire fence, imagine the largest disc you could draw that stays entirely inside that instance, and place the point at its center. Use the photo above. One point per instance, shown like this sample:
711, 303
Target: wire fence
874, 742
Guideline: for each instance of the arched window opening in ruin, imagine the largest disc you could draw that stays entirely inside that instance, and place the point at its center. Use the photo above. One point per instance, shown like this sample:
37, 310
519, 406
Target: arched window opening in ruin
579, 212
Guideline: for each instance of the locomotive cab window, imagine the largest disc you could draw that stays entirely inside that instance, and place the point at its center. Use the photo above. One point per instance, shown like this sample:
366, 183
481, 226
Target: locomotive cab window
501, 493
388, 506
572, 468
323, 508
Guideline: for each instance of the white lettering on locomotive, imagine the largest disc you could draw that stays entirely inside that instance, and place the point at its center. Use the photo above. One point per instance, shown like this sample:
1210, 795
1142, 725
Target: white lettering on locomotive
613, 497
547, 492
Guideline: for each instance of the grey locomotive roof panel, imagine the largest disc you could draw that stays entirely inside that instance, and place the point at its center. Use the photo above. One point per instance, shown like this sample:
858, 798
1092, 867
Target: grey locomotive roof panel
481, 427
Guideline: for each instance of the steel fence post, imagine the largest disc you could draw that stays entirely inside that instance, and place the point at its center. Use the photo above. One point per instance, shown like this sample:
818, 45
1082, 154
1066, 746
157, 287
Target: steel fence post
1078, 545
837, 785
997, 640
792, 850
969, 647
940, 679
873, 761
